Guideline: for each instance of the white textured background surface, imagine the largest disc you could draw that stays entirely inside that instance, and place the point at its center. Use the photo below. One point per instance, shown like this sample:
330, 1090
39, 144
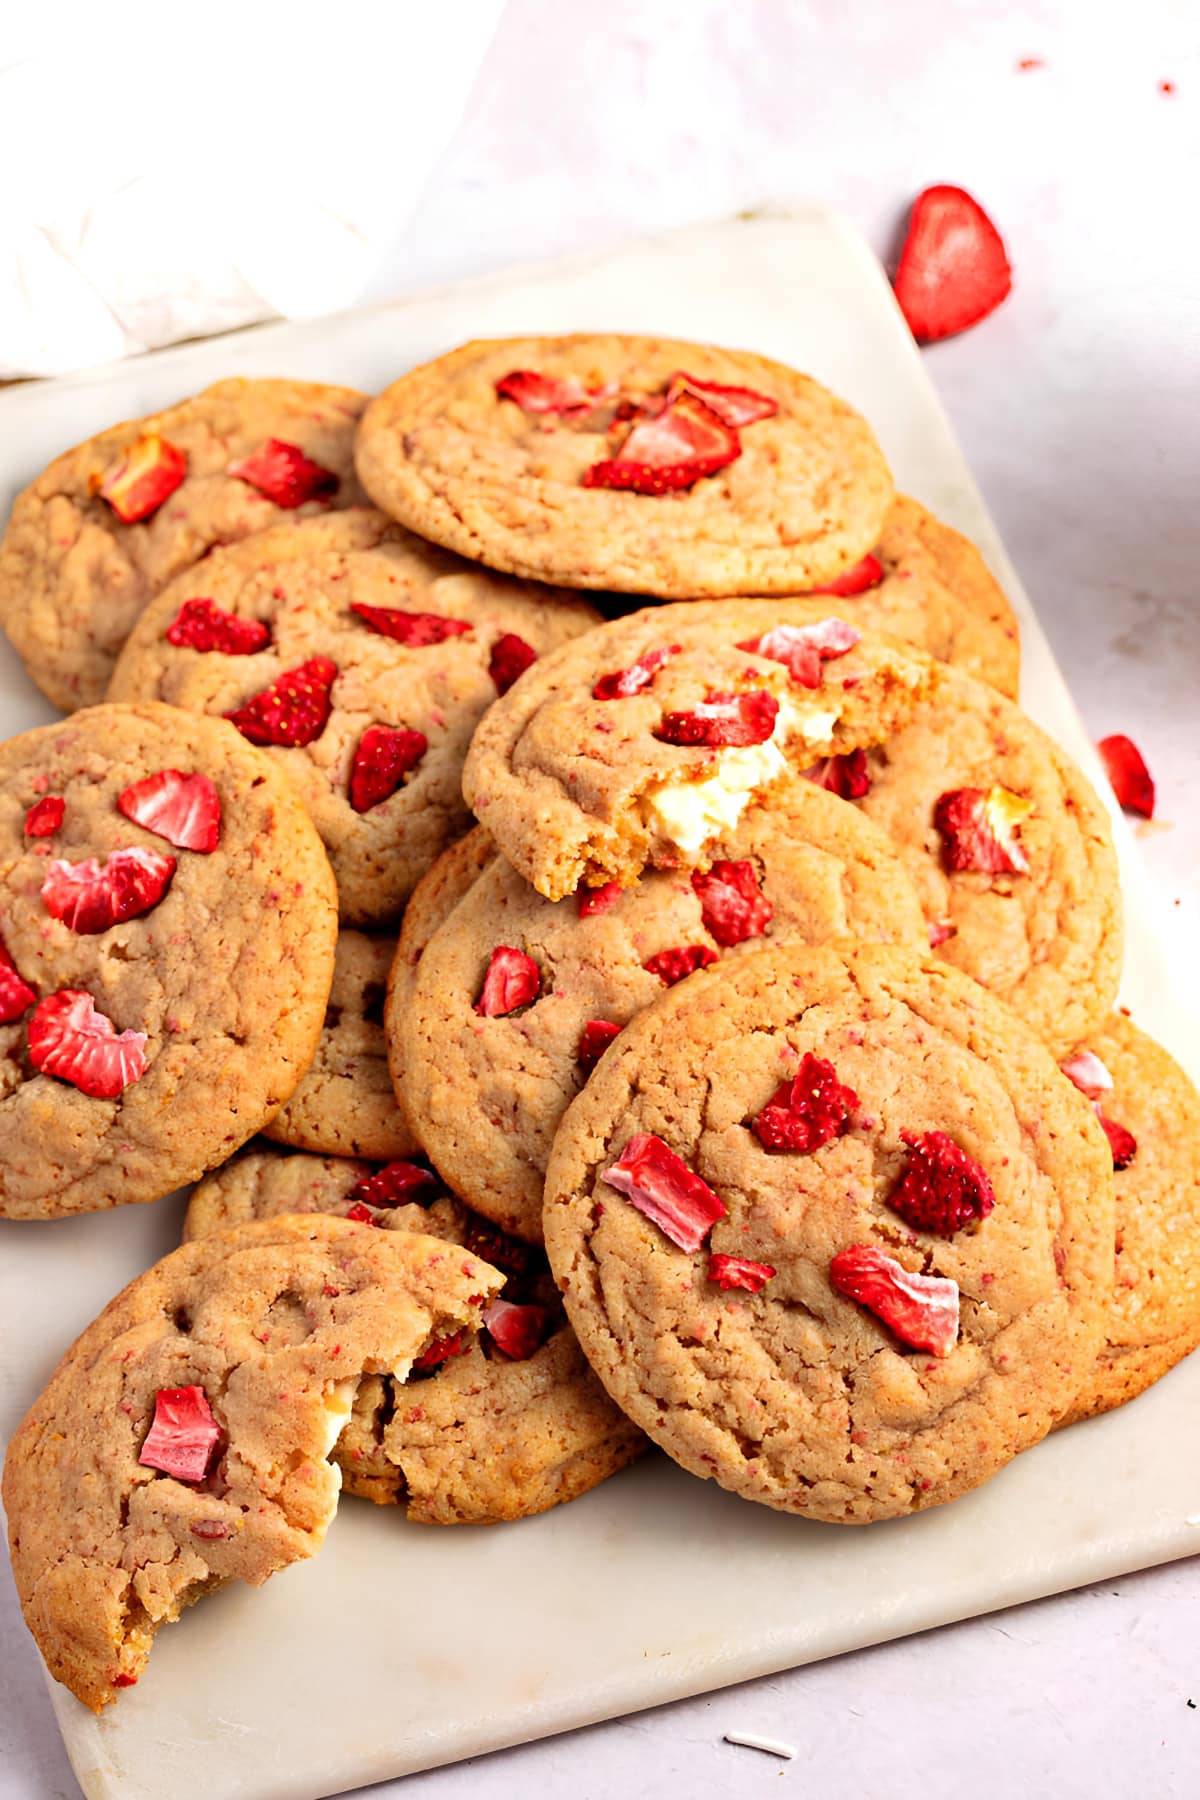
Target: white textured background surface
1078, 407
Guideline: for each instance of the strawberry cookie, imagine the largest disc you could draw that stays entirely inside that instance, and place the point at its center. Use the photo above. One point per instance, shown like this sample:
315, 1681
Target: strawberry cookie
640, 464
363, 658
183, 1441
495, 1423
834, 1231
503, 1002
167, 929
109, 523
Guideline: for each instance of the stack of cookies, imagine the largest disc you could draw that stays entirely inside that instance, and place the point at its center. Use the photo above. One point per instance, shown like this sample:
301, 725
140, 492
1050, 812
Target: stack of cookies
554, 854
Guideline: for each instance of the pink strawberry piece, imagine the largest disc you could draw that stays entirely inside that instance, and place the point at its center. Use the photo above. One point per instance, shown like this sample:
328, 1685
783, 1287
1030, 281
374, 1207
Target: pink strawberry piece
594, 1040
517, 1331
416, 629
45, 816
941, 1188
922, 1310
723, 720
136, 485
1122, 1142
738, 1272
734, 405
1130, 779
623, 684
184, 1436
396, 1184
16, 995
90, 896
847, 776
803, 648
70, 1039
385, 755
440, 1351
980, 830
855, 580
285, 475
294, 710
1088, 1074
953, 268
674, 965
535, 393
203, 625
184, 809
360, 1214
732, 904
674, 449
494, 1246
940, 931
598, 899
513, 980
807, 1111
665, 1190
510, 658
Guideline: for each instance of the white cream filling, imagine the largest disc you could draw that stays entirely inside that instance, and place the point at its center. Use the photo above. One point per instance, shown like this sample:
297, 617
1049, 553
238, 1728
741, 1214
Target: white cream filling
339, 1403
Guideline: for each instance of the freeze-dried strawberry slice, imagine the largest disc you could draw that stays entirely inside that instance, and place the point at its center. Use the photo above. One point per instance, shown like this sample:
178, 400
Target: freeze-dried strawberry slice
16, 995
440, 1351
294, 710
953, 268
803, 648
512, 980
385, 755
395, 1185
980, 830
939, 931
665, 1190
1088, 1074
598, 899
674, 449
734, 405
723, 720
922, 1310
732, 904
184, 809
673, 965
45, 816
855, 580
138, 482
565, 394
1121, 1141
594, 1040
90, 896
517, 1331
285, 475
807, 1111
70, 1039
491, 1245
941, 1188
510, 658
623, 684
1129, 778
360, 1214
416, 629
847, 776
738, 1272
184, 1436
203, 625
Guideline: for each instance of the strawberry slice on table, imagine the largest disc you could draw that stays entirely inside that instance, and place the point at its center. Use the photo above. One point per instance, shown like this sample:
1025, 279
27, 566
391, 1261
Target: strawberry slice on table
385, 755
440, 1351
733, 405
512, 980
70, 1039
953, 268
664, 1190
738, 1272
184, 809
594, 1040
45, 816
623, 684
184, 1436
675, 965
416, 629
136, 485
16, 995
203, 625
285, 475
732, 903
510, 658
803, 648
672, 450
723, 721
395, 1185
593, 900
847, 776
517, 1331
1129, 778
90, 896
860, 576
980, 830
941, 1188
566, 394
809, 1110
294, 710
922, 1310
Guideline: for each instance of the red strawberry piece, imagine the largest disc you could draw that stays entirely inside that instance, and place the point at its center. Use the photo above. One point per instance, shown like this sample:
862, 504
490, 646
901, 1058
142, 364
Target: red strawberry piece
941, 1188
1121, 1141
732, 904
735, 405
90, 896
293, 710
940, 930
1088, 1074
672, 450
184, 1436
511, 656
70, 1039
738, 1272
138, 482
673, 965
803, 648
594, 1040
1130, 779
203, 625
494, 1246
45, 816
723, 720
665, 1190
396, 1184
807, 1111
536, 393
623, 684
517, 1331
385, 755
922, 1310
598, 899
856, 579
512, 980
285, 475
184, 809
847, 776
16, 995
360, 1214
440, 1351
980, 830
953, 268
416, 629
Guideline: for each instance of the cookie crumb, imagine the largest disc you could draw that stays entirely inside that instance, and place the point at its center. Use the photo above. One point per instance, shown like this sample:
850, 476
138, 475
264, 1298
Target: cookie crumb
746, 1740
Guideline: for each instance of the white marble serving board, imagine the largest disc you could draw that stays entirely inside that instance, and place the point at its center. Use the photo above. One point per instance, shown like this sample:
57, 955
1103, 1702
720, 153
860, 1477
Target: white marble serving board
400, 1647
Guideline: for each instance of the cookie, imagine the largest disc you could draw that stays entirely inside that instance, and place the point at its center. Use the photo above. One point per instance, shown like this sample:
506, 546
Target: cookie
109, 523
486, 1436
375, 657
635, 463
487, 1075
167, 930
833, 1230
1151, 1112
183, 1440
